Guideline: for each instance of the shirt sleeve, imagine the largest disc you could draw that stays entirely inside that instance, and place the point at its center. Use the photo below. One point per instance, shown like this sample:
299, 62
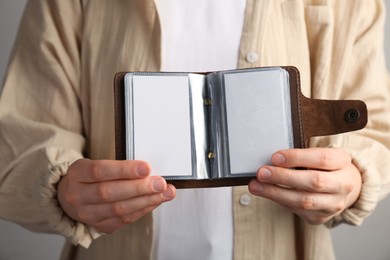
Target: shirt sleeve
359, 72
41, 124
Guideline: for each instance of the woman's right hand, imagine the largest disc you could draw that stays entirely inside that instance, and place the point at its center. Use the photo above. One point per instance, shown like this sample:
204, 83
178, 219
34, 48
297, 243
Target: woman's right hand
109, 194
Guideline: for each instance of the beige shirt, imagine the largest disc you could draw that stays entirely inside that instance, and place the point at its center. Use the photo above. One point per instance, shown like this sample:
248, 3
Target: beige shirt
57, 106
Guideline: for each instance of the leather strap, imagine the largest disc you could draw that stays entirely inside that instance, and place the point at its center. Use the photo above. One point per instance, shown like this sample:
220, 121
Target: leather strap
328, 117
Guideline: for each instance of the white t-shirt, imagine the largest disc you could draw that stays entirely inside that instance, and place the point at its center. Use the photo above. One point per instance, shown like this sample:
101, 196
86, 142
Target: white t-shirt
198, 35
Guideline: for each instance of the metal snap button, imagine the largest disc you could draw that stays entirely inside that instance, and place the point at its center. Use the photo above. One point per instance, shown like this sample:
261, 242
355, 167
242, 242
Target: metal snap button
352, 115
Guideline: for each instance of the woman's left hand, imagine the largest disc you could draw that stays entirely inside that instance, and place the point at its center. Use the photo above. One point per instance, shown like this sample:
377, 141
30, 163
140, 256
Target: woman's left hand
324, 184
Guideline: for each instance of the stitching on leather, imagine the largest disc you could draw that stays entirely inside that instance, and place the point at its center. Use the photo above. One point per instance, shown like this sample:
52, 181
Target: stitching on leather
299, 105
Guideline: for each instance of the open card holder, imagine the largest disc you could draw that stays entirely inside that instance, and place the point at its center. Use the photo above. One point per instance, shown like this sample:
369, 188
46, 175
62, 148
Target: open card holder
216, 129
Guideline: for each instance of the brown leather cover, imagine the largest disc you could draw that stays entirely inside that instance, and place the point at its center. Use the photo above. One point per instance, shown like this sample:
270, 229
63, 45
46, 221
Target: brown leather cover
120, 126
310, 117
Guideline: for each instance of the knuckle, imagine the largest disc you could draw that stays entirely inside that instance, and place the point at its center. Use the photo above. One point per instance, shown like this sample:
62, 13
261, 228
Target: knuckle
340, 206
119, 210
349, 187
129, 219
326, 158
103, 192
71, 198
318, 182
95, 171
126, 220
307, 203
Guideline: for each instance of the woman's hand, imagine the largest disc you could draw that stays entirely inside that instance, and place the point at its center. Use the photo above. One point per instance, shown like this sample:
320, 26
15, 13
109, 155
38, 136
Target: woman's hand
110, 194
329, 183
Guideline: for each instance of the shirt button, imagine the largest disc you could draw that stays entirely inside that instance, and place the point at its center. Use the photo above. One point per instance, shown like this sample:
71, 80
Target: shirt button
245, 200
252, 57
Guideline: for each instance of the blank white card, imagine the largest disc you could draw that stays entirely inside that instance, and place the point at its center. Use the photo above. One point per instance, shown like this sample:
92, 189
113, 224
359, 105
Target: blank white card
161, 122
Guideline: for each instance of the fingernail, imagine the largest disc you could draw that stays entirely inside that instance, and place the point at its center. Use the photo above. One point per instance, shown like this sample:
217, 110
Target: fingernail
265, 173
158, 184
142, 170
278, 159
256, 187
168, 194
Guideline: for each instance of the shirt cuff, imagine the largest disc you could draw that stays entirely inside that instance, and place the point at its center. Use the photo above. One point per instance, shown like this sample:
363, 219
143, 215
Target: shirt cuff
78, 233
367, 200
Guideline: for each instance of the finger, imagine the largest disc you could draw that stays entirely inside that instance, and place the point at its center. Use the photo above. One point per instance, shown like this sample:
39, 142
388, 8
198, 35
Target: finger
315, 158
118, 190
90, 171
296, 199
306, 180
123, 209
315, 217
113, 224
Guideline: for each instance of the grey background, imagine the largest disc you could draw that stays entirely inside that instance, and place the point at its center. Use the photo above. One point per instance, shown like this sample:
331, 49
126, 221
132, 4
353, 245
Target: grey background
370, 241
